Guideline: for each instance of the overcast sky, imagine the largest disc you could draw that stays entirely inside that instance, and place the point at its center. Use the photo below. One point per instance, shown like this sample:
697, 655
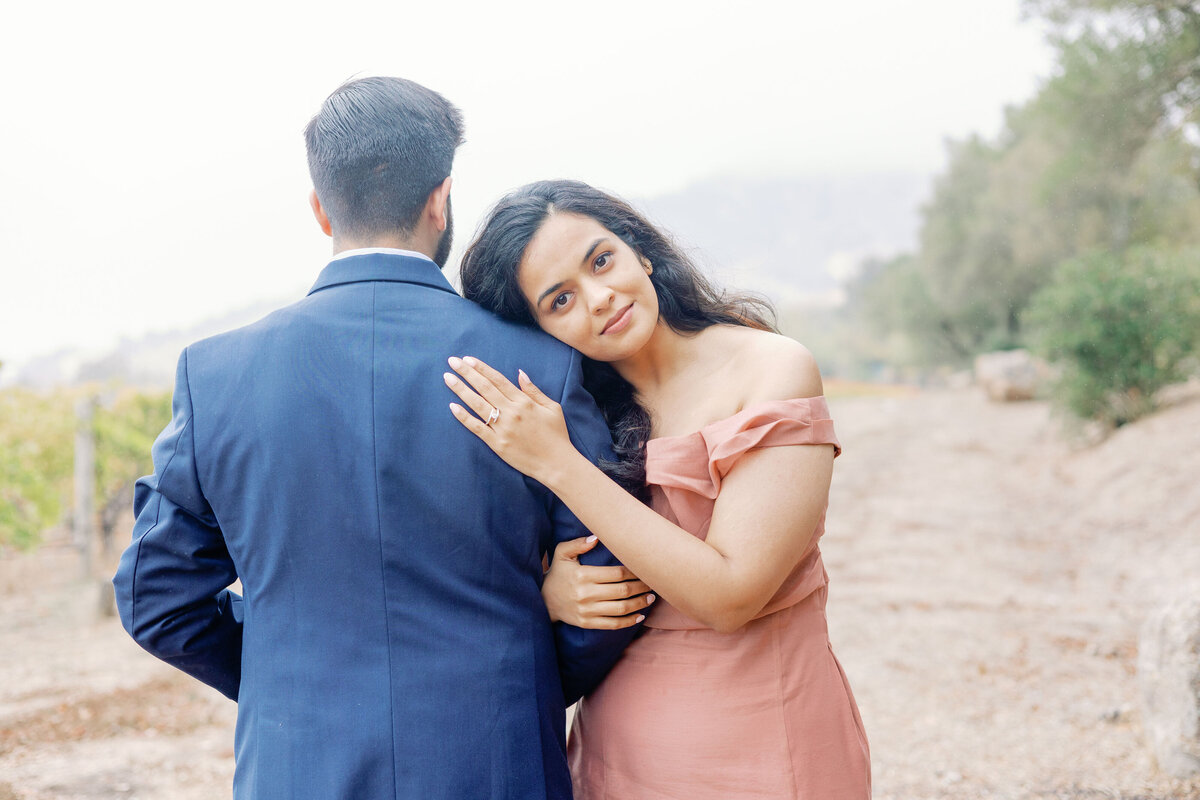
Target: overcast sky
153, 168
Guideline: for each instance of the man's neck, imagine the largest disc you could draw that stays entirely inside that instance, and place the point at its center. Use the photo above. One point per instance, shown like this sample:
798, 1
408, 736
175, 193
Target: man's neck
362, 251
390, 242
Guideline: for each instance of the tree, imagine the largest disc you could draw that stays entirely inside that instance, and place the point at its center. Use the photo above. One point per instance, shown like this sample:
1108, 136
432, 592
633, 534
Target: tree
1165, 32
1102, 159
125, 430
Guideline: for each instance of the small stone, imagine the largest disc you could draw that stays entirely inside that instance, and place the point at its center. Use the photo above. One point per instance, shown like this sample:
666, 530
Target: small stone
950, 777
1009, 374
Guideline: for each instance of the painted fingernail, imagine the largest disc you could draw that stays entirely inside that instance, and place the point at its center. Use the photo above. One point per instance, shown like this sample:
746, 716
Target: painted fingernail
450, 379
649, 599
455, 361
590, 539
470, 361
640, 618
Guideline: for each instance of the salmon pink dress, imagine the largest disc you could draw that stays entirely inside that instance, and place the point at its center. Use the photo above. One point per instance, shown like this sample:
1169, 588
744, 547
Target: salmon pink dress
764, 712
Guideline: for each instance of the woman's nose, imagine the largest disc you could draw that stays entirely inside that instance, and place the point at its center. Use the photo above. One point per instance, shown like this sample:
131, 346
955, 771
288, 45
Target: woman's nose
600, 297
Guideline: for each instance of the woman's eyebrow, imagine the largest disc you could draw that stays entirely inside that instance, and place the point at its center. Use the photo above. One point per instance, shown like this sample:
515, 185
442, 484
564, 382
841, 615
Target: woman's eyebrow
588, 255
549, 291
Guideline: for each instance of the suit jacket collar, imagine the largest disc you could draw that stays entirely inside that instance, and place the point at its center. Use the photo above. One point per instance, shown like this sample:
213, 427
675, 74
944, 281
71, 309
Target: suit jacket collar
382, 267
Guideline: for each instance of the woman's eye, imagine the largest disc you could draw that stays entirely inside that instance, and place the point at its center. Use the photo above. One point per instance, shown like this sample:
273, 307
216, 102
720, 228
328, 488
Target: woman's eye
559, 301
602, 260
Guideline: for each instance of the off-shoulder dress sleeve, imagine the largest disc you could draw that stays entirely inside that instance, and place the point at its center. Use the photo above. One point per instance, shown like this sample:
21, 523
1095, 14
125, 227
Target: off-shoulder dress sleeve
698, 462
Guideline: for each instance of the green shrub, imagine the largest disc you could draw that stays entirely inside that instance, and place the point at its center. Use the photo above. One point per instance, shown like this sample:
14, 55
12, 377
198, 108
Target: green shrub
1120, 326
36, 463
37, 455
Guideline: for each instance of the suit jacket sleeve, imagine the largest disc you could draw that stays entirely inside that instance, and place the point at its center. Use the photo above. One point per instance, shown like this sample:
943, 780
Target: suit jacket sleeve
585, 656
172, 583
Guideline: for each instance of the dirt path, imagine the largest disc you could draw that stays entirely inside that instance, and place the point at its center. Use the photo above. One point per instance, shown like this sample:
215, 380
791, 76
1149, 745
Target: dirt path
84, 713
987, 587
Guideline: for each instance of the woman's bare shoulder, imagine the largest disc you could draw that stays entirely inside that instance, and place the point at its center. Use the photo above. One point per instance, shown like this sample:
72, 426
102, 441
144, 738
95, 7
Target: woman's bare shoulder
771, 366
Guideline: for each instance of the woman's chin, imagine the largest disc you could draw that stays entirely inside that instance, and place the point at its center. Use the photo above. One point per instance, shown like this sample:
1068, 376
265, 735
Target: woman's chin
611, 352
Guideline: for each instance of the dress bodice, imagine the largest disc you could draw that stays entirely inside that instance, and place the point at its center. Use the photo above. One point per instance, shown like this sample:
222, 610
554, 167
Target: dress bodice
685, 474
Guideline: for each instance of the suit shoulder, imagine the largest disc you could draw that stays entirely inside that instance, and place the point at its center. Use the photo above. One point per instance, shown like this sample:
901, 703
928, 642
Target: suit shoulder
243, 338
529, 337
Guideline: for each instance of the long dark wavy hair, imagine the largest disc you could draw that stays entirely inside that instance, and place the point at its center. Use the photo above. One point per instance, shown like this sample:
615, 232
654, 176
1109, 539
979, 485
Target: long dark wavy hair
687, 301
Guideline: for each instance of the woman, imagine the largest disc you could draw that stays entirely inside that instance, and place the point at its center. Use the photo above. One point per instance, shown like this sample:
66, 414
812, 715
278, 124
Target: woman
733, 690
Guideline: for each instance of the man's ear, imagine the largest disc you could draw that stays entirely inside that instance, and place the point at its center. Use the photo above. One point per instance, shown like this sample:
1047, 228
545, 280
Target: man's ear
435, 206
319, 212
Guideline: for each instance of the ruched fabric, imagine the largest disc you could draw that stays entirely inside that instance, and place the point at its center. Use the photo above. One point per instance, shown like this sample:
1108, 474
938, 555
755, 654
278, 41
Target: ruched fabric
697, 462
764, 712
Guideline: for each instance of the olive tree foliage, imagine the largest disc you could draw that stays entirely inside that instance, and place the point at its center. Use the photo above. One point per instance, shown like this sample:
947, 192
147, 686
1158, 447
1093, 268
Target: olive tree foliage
1167, 32
1126, 107
1103, 159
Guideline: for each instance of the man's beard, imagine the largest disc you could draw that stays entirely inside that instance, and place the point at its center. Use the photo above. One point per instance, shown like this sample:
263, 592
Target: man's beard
442, 254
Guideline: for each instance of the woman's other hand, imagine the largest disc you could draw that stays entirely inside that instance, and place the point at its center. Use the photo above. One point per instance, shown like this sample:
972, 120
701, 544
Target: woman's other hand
604, 598
521, 425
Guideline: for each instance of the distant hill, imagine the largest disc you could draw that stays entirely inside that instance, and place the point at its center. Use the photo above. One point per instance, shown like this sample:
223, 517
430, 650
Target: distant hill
795, 239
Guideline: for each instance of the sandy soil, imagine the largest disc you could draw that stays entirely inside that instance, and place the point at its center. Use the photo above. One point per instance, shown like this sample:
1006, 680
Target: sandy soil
988, 583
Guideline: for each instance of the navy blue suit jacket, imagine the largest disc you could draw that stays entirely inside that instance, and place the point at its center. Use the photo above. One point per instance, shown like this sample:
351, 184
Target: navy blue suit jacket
391, 640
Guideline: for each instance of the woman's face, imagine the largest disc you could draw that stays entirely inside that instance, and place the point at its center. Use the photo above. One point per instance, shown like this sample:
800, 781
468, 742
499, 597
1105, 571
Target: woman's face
587, 288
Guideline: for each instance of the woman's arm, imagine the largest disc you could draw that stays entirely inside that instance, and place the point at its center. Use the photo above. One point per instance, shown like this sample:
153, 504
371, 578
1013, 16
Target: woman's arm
762, 521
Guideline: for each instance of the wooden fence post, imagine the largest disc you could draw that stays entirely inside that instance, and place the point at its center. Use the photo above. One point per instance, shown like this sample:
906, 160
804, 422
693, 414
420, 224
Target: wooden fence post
85, 482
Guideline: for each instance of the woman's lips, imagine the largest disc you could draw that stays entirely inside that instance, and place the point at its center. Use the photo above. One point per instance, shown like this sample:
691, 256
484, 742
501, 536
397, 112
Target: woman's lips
618, 323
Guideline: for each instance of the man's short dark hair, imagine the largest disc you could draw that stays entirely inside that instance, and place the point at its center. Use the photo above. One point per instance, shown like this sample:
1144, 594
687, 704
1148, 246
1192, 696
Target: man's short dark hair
376, 149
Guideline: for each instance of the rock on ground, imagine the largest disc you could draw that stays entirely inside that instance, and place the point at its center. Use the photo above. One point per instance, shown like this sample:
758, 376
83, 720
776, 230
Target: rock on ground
1010, 375
1169, 674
